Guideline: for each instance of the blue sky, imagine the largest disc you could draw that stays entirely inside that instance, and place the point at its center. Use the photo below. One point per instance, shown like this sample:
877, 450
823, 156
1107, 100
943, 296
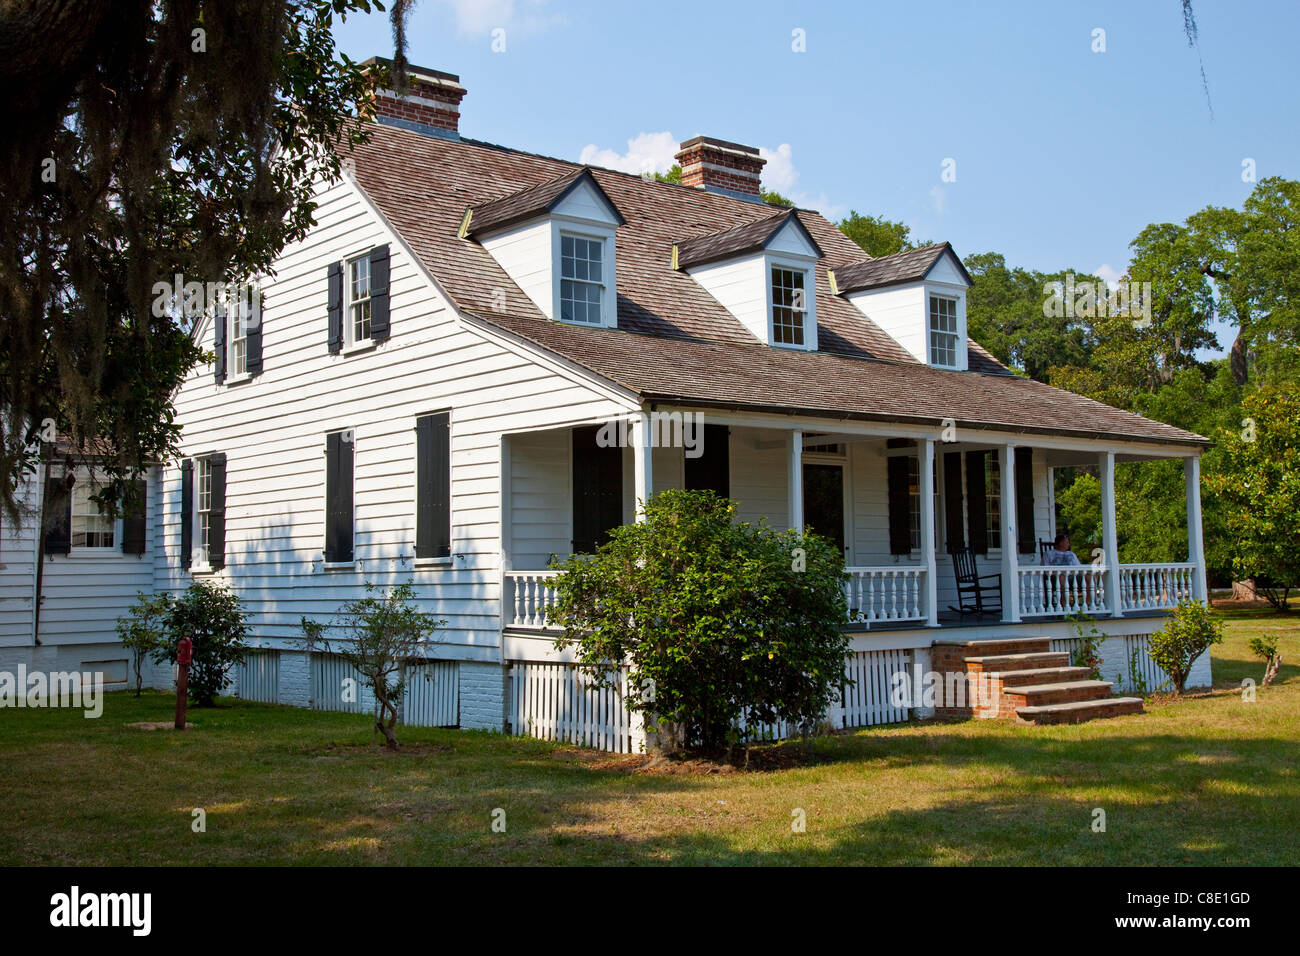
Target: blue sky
1061, 154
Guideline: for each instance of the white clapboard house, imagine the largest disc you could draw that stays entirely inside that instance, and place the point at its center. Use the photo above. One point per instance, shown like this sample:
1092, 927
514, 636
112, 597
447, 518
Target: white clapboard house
421, 398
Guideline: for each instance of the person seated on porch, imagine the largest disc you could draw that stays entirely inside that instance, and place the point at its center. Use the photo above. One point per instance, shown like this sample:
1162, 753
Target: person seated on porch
1061, 555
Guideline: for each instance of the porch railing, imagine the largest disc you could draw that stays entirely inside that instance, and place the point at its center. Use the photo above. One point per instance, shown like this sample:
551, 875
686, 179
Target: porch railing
1062, 590
874, 594
891, 593
528, 598
1154, 587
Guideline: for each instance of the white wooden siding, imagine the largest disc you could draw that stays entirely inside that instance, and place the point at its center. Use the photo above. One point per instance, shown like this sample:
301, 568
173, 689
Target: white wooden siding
273, 433
525, 253
18, 570
541, 503
84, 591
740, 287
900, 311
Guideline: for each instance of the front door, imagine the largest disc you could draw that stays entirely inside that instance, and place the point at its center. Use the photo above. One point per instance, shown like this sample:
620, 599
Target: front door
823, 501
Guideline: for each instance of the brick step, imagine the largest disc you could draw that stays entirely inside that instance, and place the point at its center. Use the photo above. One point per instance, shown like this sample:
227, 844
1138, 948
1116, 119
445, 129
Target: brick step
1001, 645
1063, 692
1079, 711
1040, 675
1011, 662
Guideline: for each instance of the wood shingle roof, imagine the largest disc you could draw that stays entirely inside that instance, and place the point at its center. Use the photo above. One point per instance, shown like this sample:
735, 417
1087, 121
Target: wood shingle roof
674, 340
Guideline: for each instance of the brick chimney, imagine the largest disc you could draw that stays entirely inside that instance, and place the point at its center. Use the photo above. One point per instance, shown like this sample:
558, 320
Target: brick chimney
430, 105
719, 166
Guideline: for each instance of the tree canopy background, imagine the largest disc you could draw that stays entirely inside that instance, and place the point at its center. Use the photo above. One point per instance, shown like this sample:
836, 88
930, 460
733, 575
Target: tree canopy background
145, 140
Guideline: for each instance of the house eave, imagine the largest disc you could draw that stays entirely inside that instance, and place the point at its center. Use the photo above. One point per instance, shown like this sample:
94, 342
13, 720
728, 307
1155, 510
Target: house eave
1199, 445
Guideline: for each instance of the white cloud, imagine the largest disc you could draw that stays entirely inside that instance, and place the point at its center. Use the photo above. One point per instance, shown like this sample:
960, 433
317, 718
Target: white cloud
1108, 274
779, 173
654, 153
646, 153
483, 16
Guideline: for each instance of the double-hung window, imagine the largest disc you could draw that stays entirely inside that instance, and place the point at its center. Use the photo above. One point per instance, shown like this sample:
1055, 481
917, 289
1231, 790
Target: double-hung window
357, 315
91, 527
203, 509
943, 331
789, 307
914, 501
238, 338
582, 279
993, 500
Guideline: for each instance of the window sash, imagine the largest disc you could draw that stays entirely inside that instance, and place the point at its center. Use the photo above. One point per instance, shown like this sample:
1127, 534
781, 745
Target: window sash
914, 501
943, 330
358, 295
91, 528
582, 279
203, 508
789, 308
238, 339
993, 502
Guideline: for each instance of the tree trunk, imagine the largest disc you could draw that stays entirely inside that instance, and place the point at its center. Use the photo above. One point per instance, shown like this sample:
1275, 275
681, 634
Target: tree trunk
1237, 360
1270, 672
385, 721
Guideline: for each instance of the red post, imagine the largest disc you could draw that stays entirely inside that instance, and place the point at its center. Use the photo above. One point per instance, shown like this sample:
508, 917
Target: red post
184, 652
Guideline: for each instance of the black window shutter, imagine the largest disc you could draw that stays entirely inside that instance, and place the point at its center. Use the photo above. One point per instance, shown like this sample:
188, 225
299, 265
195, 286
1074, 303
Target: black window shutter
187, 511
217, 513
379, 324
135, 522
597, 490
977, 502
219, 342
1025, 501
711, 470
338, 497
955, 534
433, 486
335, 274
254, 335
900, 511
58, 514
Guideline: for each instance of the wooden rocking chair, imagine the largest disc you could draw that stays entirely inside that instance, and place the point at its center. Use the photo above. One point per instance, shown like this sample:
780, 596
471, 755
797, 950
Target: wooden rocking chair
973, 595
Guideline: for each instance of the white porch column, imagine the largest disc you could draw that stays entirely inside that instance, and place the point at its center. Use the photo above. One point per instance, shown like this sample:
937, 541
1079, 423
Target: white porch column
1195, 533
795, 482
1010, 561
1051, 504
642, 463
926, 470
1109, 542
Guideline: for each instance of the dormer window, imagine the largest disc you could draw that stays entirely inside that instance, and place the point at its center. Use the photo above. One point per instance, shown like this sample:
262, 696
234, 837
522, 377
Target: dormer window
760, 272
789, 306
557, 242
943, 331
358, 305
582, 279
917, 297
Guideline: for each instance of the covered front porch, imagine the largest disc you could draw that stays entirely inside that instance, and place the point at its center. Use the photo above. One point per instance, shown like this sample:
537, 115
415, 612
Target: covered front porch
898, 500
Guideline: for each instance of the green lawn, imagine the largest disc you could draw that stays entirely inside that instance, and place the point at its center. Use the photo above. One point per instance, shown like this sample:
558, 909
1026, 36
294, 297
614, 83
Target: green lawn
1210, 780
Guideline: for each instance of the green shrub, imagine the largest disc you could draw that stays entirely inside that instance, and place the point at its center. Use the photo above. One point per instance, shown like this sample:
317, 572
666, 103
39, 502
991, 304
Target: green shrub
720, 624
1188, 633
213, 619
380, 634
143, 630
